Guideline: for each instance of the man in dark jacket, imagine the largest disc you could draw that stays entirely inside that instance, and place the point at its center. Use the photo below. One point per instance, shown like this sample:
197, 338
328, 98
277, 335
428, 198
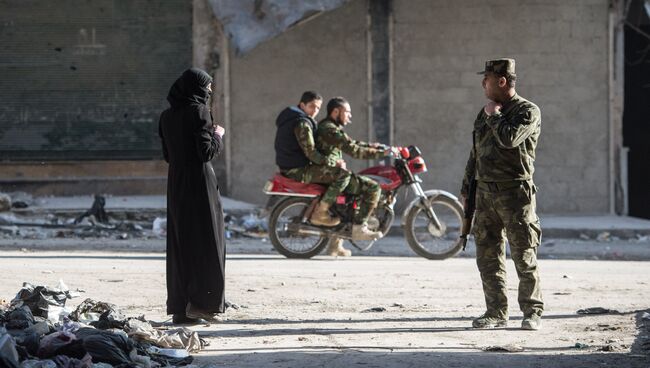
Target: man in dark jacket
195, 237
297, 157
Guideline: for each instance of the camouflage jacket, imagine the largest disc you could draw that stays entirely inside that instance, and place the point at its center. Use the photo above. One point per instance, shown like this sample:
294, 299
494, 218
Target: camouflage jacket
504, 144
305, 137
331, 141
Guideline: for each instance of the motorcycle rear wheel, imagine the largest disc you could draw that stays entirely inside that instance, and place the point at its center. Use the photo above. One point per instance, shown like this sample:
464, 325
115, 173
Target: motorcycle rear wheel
427, 241
287, 243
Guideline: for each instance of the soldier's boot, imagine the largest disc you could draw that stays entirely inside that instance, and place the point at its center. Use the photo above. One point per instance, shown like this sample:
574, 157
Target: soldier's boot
531, 322
488, 321
335, 248
321, 216
361, 232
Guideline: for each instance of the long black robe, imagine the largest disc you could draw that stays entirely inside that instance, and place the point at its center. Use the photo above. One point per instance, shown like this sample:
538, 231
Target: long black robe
195, 230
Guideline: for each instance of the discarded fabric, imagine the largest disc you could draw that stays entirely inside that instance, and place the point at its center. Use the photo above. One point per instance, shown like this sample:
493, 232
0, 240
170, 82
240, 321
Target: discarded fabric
510, 348
42, 300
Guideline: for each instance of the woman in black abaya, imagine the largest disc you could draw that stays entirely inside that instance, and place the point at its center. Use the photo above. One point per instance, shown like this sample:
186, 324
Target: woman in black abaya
195, 230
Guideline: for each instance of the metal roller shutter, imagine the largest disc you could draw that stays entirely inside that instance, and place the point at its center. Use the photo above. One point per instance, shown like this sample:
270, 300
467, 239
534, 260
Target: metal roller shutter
88, 79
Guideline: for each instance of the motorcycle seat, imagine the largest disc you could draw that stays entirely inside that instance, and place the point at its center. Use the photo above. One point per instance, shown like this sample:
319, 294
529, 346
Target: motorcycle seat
282, 184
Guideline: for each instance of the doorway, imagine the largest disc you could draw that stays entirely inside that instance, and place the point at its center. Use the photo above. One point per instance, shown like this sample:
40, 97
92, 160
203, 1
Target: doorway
636, 118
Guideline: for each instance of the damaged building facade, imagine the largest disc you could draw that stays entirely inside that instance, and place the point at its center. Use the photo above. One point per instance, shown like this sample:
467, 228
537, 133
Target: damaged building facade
90, 89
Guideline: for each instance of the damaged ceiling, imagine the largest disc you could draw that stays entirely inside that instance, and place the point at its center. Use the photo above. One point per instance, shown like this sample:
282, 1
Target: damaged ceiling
251, 22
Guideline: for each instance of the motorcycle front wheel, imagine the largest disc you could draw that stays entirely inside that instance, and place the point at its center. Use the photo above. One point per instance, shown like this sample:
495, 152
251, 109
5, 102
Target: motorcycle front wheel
424, 237
287, 241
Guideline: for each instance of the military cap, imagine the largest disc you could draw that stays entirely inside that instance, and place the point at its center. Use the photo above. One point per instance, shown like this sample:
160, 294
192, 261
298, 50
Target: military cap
502, 66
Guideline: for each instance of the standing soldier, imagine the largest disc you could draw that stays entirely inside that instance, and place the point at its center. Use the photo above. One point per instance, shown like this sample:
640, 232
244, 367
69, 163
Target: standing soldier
501, 161
331, 141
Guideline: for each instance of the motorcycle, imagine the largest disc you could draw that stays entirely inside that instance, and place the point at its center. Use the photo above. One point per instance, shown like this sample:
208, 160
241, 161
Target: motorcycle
431, 222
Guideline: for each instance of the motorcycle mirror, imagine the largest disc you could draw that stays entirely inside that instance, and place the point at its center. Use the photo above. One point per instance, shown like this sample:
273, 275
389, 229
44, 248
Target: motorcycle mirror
414, 152
405, 152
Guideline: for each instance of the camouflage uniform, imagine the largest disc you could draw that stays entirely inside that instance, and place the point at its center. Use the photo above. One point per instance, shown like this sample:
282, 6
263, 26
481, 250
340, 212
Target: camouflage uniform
321, 170
502, 159
332, 141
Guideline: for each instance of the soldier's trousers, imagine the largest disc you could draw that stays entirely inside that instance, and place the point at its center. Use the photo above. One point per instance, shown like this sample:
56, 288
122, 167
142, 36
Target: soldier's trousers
340, 180
508, 210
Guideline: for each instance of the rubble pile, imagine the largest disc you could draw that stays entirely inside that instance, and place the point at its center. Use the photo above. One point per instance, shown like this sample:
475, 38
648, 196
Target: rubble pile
18, 222
37, 330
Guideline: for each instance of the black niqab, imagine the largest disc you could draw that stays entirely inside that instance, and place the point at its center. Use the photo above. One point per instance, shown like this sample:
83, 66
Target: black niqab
191, 88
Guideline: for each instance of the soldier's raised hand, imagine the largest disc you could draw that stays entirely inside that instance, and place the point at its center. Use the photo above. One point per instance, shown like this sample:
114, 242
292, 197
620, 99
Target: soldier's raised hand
492, 108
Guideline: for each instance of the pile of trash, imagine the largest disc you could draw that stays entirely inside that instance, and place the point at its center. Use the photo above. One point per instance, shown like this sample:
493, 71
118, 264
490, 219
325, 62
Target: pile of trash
37, 330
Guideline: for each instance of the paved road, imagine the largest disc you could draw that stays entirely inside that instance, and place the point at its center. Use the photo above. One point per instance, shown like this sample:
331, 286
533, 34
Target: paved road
306, 313
392, 246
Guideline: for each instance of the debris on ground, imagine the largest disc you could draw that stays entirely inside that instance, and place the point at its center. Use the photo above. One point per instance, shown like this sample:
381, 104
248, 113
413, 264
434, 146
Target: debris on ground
642, 238
13, 225
231, 305
597, 310
374, 310
603, 237
613, 348
36, 330
43, 301
5, 202
21, 200
159, 226
579, 345
510, 348
250, 226
96, 210
96, 222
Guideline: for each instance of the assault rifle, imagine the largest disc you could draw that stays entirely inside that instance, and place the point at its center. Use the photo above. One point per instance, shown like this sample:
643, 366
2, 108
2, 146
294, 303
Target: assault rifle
470, 207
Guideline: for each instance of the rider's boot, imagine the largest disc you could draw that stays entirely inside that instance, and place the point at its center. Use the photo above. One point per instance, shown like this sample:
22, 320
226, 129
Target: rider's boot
361, 232
335, 248
321, 216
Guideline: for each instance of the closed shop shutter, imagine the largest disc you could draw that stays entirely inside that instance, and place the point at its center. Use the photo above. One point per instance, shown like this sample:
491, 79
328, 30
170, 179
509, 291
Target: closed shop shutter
88, 79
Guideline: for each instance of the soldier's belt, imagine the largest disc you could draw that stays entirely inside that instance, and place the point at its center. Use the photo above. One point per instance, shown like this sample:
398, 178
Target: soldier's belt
489, 186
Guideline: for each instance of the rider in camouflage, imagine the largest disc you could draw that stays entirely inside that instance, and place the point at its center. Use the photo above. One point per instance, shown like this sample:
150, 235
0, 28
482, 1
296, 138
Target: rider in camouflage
332, 141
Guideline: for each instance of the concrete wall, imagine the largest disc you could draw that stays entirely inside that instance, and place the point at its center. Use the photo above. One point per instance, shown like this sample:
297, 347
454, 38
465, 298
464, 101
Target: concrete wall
327, 54
561, 53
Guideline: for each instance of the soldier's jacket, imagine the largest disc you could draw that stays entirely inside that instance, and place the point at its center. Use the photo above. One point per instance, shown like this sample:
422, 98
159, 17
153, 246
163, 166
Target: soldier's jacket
332, 141
504, 144
305, 137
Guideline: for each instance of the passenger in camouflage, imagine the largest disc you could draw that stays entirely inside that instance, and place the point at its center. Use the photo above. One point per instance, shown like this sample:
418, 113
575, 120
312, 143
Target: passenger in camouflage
298, 158
332, 141
505, 136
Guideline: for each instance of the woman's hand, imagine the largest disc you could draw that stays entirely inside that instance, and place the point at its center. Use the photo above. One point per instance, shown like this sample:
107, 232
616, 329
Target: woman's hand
219, 130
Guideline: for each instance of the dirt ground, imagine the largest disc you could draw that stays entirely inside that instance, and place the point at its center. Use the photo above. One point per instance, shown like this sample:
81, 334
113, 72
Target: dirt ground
305, 313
